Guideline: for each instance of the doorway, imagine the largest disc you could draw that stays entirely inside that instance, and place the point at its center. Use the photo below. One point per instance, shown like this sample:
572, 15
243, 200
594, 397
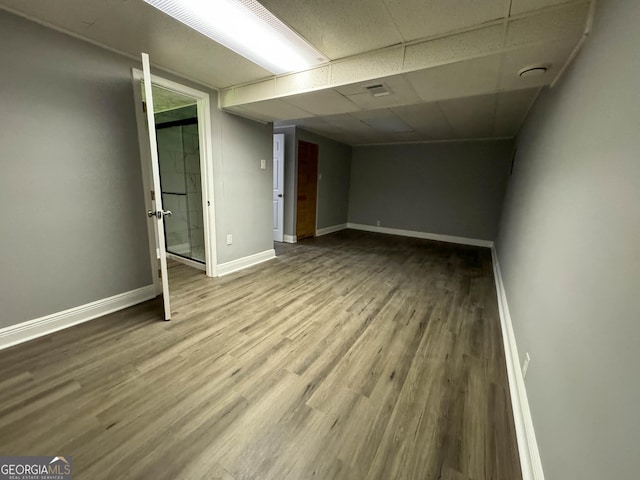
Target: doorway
307, 191
195, 245
180, 179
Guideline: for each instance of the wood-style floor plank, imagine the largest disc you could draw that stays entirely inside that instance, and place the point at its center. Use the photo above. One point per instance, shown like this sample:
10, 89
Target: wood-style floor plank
350, 356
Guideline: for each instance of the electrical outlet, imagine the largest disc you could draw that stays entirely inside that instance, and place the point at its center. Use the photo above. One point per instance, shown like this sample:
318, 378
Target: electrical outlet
263, 164
229, 239
525, 365
377, 223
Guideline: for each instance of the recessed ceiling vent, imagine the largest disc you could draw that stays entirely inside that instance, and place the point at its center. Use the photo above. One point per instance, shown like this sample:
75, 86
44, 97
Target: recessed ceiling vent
378, 90
533, 71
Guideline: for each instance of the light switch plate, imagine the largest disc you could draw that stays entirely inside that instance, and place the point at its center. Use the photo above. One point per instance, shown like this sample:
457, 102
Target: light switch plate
263, 164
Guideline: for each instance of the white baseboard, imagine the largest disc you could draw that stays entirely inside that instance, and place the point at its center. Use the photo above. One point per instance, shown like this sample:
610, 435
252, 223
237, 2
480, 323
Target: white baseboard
245, 262
428, 236
187, 261
331, 229
530, 461
22, 332
290, 239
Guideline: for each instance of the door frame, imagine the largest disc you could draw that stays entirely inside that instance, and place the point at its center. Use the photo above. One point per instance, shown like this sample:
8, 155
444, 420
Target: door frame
205, 140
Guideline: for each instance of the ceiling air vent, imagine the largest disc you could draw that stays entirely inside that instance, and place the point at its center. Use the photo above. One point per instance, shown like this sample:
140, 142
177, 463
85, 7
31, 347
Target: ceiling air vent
378, 90
534, 70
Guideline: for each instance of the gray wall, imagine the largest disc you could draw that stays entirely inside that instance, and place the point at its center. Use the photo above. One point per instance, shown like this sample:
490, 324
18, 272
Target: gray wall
450, 188
334, 166
334, 172
70, 176
243, 191
74, 228
569, 249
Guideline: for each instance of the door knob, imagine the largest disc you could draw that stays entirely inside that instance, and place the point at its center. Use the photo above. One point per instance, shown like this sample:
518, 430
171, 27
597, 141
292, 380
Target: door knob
159, 214
280, 195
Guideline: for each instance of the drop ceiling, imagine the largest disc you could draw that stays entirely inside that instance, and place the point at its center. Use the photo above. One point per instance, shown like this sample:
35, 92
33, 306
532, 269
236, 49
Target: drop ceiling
451, 67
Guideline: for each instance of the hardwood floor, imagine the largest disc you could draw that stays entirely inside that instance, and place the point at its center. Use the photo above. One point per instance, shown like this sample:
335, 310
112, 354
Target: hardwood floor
350, 356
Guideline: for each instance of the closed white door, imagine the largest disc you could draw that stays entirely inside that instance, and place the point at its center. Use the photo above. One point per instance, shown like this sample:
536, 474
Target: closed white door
157, 213
278, 187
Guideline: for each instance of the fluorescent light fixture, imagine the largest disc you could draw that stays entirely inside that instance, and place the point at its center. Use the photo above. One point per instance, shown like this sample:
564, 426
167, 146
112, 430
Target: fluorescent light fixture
247, 28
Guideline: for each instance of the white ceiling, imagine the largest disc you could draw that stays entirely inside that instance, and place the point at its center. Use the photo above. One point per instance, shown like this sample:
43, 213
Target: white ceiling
497, 115
451, 66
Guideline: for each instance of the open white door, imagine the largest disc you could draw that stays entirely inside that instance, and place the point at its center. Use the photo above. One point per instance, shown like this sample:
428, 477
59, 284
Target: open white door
278, 187
157, 213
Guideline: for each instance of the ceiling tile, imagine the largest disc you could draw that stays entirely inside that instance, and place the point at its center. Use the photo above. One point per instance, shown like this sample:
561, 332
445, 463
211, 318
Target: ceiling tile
321, 127
343, 128
347, 121
403, 137
308, 122
384, 120
427, 119
553, 54
567, 22
351, 129
323, 102
338, 28
471, 117
309, 80
511, 109
399, 137
247, 112
366, 101
460, 79
402, 93
255, 92
271, 110
359, 87
425, 18
522, 6
454, 47
365, 67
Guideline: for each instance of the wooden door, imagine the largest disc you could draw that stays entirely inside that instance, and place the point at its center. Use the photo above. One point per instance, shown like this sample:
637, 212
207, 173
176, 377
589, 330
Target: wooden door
307, 189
